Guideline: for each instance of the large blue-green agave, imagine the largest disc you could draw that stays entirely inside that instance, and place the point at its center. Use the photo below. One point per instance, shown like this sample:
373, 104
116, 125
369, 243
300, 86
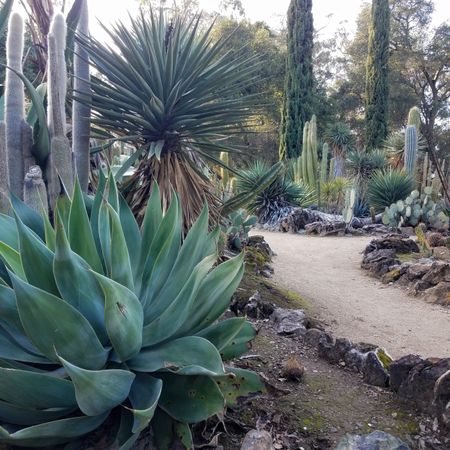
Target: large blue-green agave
101, 318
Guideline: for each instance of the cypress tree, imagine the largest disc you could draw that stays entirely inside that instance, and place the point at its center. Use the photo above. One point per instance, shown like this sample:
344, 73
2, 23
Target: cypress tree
377, 70
299, 82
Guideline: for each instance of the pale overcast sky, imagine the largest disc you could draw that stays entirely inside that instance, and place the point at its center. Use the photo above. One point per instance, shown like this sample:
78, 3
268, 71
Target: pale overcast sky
270, 11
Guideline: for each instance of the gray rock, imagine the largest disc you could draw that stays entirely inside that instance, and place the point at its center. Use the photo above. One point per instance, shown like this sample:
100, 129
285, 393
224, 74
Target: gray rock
326, 350
289, 321
380, 262
354, 359
257, 440
374, 372
399, 370
442, 399
378, 440
342, 346
439, 294
439, 271
313, 336
417, 271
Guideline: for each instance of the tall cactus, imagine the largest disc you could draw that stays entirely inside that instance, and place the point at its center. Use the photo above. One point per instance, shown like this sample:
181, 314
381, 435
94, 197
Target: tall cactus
17, 130
411, 149
304, 155
60, 150
414, 117
224, 174
324, 163
425, 171
309, 153
81, 111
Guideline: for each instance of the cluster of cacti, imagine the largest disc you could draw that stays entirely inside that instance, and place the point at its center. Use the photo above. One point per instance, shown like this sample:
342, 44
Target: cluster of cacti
36, 160
350, 200
309, 163
417, 208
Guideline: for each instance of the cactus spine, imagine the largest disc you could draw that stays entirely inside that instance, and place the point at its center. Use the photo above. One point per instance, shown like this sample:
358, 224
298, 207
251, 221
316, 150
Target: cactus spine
324, 163
411, 149
81, 112
60, 150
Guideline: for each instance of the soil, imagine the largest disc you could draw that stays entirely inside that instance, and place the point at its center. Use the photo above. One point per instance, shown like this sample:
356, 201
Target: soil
326, 271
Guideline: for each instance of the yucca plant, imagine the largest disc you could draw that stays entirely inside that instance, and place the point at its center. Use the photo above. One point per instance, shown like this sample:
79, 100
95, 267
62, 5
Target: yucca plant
387, 187
101, 320
282, 192
165, 86
340, 139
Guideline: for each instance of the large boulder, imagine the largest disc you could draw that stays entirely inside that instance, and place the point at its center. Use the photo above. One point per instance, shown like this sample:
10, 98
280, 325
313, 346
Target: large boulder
374, 370
397, 242
380, 262
378, 440
400, 368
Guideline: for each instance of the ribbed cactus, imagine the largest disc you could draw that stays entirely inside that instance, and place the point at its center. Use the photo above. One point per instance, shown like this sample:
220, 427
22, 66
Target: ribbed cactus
309, 153
304, 155
60, 150
350, 199
411, 149
81, 111
331, 170
414, 117
4, 182
35, 191
324, 163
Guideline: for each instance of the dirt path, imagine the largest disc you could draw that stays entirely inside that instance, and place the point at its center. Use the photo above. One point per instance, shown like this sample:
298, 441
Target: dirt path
327, 272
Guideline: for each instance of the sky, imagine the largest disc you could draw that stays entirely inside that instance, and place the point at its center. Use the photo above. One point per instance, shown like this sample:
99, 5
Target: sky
328, 14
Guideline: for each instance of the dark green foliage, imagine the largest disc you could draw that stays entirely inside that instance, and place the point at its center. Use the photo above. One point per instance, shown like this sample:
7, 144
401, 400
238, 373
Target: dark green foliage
377, 71
283, 192
299, 82
361, 165
387, 187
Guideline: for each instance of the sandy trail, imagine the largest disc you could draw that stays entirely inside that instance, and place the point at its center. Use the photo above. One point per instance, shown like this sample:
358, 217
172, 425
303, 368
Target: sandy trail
327, 272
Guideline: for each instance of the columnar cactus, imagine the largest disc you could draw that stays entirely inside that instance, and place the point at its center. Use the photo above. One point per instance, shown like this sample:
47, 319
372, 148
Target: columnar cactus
224, 174
350, 199
411, 149
414, 117
331, 170
324, 163
60, 150
81, 111
309, 153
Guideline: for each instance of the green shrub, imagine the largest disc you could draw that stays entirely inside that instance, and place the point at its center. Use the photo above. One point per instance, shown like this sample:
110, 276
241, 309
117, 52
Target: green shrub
281, 193
103, 320
387, 187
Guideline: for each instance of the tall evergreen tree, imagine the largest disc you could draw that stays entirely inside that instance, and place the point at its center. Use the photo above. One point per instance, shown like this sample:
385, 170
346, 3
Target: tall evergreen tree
299, 83
377, 70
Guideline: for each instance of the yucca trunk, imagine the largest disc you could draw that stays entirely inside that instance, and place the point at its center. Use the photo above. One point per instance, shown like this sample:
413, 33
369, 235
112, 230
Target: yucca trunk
174, 172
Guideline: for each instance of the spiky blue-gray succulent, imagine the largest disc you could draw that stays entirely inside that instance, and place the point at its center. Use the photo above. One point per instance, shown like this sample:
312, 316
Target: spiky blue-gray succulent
100, 320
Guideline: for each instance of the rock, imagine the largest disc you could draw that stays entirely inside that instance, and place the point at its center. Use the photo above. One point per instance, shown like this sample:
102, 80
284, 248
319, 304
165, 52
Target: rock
439, 271
380, 261
289, 321
259, 243
374, 371
257, 440
436, 239
399, 370
341, 347
439, 294
313, 336
324, 228
378, 440
442, 253
441, 399
393, 275
418, 387
397, 242
417, 271
354, 359
420, 286
327, 351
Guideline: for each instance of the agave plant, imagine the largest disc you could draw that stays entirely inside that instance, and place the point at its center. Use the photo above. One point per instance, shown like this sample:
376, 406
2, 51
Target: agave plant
102, 320
387, 187
166, 87
282, 192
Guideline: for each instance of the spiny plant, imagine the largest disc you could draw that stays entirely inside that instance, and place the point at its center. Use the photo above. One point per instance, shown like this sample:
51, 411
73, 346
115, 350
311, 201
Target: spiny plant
164, 87
340, 139
387, 187
103, 321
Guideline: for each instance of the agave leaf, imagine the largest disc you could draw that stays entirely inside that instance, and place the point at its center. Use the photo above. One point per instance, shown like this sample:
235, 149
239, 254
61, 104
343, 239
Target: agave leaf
80, 233
124, 317
35, 390
185, 356
120, 258
9, 231
37, 259
55, 326
240, 343
162, 254
214, 295
77, 284
113, 196
8, 307
63, 205
99, 391
11, 350
125, 437
28, 216
144, 396
20, 415
176, 314
190, 399
222, 334
50, 234
52, 433
132, 233
163, 430
238, 383
183, 433
32, 116
12, 259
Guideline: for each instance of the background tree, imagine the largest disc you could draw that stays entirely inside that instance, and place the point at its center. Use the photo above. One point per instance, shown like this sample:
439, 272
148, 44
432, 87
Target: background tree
377, 82
299, 82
